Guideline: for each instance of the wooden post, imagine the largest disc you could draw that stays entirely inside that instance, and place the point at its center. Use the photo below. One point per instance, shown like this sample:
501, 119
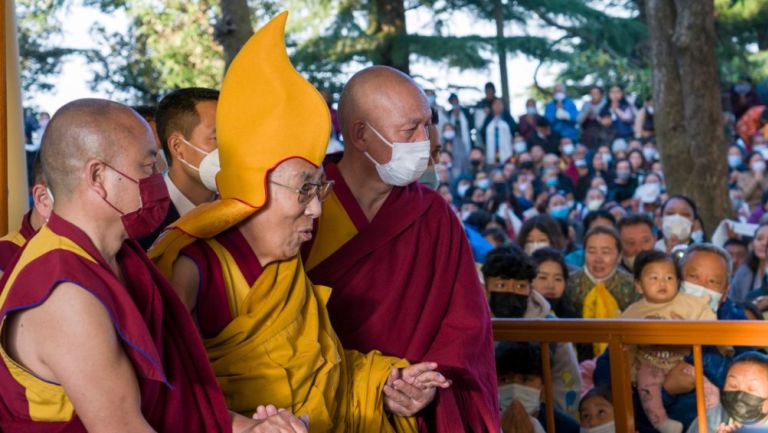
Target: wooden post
549, 399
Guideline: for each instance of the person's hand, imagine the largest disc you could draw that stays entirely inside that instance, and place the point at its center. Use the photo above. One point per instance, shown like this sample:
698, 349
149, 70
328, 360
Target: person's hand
728, 428
761, 302
409, 390
270, 419
516, 420
680, 379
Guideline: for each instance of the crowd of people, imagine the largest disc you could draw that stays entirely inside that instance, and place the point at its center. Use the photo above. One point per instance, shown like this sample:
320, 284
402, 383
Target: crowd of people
218, 266
567, 210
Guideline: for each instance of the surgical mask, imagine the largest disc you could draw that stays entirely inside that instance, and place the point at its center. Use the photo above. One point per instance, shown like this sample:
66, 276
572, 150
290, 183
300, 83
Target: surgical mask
483, 183
209, 166
649, 153
650, 110
505, 304
531, 110
734, 161
153, 209
743, 406
520, 147
462, 189
449, 135
531, 247
757, 166
676, 225
551, 182
559, 96
603, 188
429, 178
697, 236
529, 397
568, 149
408, 162
629, 262
594, 205
607, 158
559, 212
702, 292
623, 174
609, 427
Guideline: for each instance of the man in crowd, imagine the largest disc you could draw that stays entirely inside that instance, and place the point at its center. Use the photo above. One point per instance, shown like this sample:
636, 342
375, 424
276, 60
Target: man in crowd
234, 262
83, 282
636, 233
391, 248
562, 113
11, 244
186, 126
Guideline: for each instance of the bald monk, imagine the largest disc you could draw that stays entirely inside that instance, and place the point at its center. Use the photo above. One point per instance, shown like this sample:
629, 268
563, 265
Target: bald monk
235, 264
11, 244
94, 337
390, 247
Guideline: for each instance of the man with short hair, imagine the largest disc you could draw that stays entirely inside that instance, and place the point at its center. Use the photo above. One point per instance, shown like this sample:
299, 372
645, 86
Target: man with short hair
391, 248
235, 262
186, 127
83, 282
636, 233
11, 244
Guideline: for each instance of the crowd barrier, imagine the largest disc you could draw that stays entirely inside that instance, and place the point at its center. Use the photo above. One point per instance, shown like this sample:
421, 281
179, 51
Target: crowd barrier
622, 333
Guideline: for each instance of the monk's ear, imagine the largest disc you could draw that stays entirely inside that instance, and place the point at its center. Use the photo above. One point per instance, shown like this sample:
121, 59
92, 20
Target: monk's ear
41, 200
359, 137
96, 176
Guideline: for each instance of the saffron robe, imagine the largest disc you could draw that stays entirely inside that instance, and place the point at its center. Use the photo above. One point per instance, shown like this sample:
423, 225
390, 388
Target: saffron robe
405, 283
270, 340
178, 389
11, 244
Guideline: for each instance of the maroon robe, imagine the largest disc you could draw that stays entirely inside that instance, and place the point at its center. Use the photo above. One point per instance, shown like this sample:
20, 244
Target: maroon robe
407, 285
179, 392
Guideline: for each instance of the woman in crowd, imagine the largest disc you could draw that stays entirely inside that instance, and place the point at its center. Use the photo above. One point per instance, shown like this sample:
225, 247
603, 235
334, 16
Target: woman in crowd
551, 277
678, 215
753, 181
638, 164
751, 275
539, 232
600, 217
622, 112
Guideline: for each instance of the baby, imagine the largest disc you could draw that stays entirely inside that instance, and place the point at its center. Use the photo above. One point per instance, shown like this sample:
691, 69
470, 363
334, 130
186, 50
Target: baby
657, 278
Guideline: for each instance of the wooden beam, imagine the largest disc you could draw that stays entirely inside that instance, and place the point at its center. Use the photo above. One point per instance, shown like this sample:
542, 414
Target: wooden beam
4, 118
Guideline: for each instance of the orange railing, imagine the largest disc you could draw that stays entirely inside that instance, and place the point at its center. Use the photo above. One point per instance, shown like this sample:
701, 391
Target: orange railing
622, 333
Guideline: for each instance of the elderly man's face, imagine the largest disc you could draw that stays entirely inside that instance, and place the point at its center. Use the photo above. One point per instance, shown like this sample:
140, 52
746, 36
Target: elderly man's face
403, 116
707, 269
285, 222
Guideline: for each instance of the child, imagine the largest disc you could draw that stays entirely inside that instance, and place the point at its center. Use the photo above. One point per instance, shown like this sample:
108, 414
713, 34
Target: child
657, 278
596, 411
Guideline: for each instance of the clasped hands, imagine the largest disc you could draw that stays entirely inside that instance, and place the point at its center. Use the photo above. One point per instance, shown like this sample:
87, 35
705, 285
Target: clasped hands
409, 390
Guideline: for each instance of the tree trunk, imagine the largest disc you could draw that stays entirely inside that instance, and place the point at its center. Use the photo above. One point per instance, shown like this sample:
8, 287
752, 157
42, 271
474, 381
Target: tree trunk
498, 13
388, 25
686, 92
233, 28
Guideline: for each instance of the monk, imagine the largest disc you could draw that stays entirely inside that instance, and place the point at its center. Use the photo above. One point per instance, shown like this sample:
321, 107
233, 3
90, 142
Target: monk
390, 247
235, 263
11, 244
95, 339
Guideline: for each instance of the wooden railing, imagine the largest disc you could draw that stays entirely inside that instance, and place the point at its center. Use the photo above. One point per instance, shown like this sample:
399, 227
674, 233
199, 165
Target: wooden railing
622, 333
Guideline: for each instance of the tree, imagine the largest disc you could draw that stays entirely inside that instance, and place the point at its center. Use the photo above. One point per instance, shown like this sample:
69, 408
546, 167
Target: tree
689, 117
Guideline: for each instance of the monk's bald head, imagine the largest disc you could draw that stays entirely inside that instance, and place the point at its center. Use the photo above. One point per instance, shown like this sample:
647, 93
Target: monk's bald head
379, 92
84, 130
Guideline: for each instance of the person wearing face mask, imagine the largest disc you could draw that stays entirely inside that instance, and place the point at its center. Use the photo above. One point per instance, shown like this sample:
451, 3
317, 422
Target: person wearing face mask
42, 204
678, 214
596, 411
538, 232
83, 281
519, 370
527, 122
624, 184
754, 181
508, 272
375, 218
589, 115
497, 133
545, 137
562, 114
186, 126
235, 262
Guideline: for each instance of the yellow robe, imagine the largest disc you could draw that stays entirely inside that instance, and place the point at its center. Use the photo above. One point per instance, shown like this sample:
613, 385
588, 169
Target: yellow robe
280, 349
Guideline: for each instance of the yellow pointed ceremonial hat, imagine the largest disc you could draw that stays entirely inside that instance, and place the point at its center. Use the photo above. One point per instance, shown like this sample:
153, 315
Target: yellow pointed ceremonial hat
267, 113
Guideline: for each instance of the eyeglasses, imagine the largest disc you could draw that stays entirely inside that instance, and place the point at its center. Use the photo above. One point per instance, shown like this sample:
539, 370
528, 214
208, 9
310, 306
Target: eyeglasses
309, 190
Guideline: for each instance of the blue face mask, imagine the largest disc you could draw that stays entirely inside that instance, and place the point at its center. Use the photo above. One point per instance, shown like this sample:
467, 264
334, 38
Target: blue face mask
559, 212
483, 183
551, 182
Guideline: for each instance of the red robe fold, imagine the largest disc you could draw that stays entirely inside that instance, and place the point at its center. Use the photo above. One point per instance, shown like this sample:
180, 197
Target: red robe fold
407, 285
179, 391
11, 244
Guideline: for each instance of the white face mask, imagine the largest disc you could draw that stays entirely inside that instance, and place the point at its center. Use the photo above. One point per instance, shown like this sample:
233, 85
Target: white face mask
609, 427
559, 96
408, 162
449, 135
209, 166
529, 397
697, 236
531, 247
568, 149
758, 166
520, 147
702, 292
676, 225
594, 205
462, 189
